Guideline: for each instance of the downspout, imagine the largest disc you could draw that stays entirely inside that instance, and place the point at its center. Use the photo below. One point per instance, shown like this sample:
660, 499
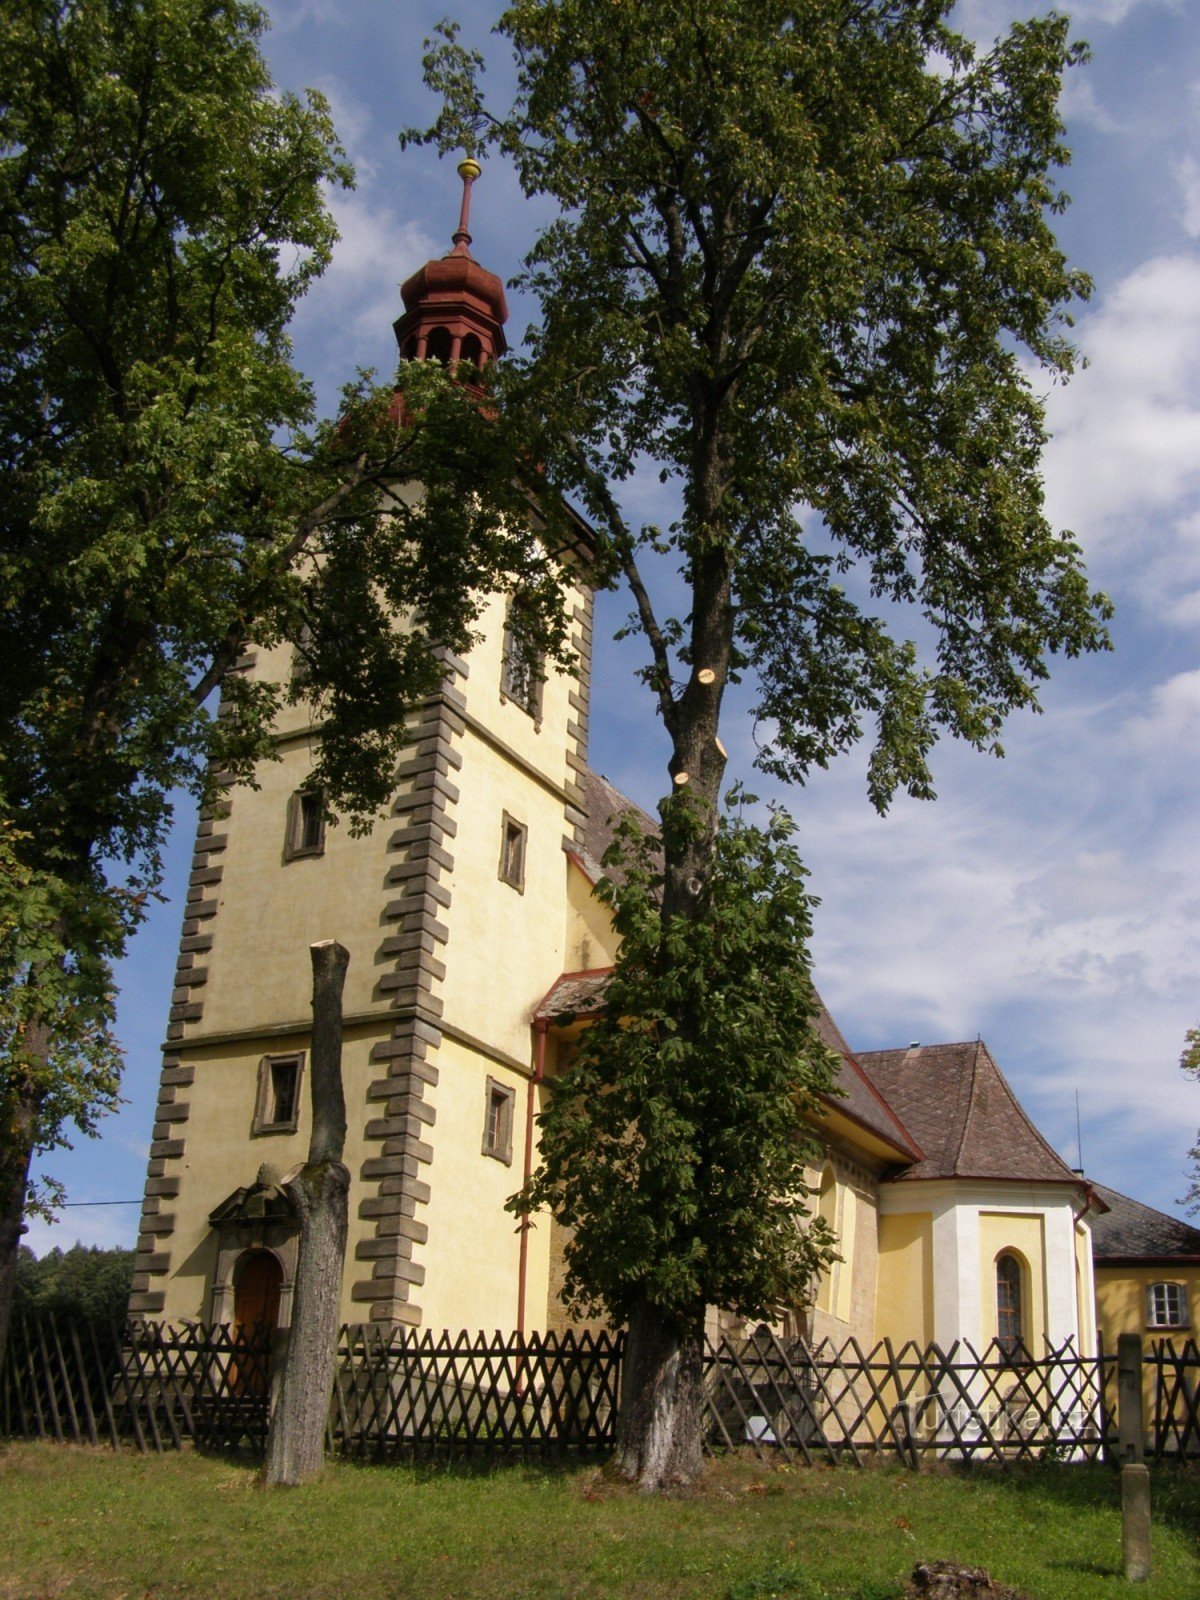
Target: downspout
541, 1026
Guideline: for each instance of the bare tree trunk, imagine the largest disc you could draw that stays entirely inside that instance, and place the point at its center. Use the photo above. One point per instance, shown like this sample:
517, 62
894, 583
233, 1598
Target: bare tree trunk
659, 1433
16, 1154
320, 1193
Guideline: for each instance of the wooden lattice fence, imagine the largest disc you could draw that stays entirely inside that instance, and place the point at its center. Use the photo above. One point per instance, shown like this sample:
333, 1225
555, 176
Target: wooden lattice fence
398, 1392
834, 1403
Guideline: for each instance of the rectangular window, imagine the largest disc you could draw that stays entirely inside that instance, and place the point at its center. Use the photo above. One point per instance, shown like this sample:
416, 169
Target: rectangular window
277, 1109
305, 824
1166, 1306
512, 852
522, 675
498, 1121
301, 651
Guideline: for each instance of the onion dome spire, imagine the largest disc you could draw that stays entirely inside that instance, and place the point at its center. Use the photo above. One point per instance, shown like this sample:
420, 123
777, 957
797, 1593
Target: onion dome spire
454, 309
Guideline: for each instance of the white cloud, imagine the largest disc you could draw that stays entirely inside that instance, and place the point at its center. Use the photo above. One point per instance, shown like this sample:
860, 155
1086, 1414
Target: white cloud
1123, 465
986, 19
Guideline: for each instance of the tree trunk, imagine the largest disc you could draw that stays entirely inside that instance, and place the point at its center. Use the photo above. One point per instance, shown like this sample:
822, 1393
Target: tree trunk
659, 1433
16, 1157
320, 1192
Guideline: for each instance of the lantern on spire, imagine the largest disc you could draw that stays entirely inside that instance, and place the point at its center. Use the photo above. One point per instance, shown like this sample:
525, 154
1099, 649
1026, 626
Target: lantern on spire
454, 309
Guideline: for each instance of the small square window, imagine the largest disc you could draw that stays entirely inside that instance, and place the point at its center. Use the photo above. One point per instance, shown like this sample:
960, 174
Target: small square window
1166, 1306
498, 1121
522, 674
306, 824
277, 1109
513, 835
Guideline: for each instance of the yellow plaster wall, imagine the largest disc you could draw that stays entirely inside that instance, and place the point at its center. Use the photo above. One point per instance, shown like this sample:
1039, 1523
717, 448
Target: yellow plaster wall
1085, 1308
542, 742
1024, 1234
591, 940
904, 1298
1121, 1299
505, 948
220, 1155
473, 1250
844, 1306
271, 909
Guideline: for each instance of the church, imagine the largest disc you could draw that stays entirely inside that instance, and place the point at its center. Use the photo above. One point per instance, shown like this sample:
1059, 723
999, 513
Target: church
478, 950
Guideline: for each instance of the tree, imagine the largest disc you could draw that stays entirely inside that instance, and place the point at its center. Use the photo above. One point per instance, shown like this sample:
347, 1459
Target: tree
84, 1283
164, 496
803, 268
320, 1192
673, 1149
1190, 1062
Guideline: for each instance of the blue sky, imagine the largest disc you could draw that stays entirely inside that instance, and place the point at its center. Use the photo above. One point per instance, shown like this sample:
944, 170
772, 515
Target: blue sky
1049, 902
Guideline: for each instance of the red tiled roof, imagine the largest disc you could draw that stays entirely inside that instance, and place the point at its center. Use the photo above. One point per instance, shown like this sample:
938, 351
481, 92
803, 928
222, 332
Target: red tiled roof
583, 994
955, 1101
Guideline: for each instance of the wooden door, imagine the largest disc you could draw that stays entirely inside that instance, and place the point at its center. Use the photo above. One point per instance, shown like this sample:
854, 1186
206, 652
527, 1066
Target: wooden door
257, 1282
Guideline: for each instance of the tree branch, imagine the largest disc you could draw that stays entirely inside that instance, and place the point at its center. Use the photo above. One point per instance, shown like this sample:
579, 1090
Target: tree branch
622, 542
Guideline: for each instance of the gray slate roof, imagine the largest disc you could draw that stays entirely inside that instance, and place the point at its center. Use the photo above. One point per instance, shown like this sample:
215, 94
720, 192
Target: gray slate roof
605, 806
957, 1105
1130, 1231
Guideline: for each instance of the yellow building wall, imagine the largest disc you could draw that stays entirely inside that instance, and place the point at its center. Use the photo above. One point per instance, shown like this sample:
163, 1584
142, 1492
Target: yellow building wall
1121, 1299
1085, 1305
271, 909
591, 940
505, 947
222, 1155
1024, 1235
904, 1299
844, 1303
474, 1244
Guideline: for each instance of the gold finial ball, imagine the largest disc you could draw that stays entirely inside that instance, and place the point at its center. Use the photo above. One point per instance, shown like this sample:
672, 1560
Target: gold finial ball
469, 168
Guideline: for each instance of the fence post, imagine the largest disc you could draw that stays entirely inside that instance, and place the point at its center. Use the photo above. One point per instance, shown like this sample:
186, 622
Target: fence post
1135, 1476
1131, 1428
1135, 1520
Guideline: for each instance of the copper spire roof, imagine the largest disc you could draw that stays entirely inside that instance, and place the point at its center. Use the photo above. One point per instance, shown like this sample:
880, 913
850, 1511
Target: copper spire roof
454, 308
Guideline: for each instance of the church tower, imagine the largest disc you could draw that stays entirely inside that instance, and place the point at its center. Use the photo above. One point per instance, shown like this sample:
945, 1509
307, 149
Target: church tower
459, 914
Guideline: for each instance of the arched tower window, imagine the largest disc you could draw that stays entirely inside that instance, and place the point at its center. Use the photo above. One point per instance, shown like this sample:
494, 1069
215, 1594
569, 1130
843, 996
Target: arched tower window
1010, 1311
472, 351
438, 348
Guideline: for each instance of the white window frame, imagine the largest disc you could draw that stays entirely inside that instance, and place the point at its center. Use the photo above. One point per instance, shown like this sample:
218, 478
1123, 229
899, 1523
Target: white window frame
1167, 1305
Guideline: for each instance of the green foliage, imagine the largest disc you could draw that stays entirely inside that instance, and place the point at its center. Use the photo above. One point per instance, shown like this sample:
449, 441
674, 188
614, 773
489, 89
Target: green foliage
165, 496
674, 1143
803, 265
53, 942
1189, 1061
84, 1284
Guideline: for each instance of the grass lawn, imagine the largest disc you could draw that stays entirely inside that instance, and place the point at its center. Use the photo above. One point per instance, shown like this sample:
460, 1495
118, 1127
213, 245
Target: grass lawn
80, 1522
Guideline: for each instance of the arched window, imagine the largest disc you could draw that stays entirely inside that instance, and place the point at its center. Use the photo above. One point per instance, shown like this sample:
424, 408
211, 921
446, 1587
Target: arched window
472, 350
827, 1211
1010, 1326
438, 347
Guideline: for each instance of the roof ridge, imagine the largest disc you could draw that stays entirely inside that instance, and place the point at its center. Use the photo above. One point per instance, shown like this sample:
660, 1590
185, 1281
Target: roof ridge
970, 1092
893, 1115
1021, 1112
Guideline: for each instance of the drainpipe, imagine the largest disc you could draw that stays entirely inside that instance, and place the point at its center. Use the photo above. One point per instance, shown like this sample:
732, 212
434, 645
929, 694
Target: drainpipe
540, 1025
